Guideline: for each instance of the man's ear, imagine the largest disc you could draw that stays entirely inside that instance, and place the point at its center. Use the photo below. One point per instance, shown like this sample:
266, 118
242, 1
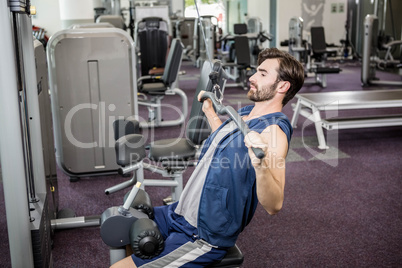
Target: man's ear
283, 86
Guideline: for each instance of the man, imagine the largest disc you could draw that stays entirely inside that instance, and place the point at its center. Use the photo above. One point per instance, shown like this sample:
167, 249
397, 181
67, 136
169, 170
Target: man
221, 195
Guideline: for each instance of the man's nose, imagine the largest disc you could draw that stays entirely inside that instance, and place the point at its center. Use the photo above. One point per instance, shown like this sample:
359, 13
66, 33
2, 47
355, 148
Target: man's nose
252, 78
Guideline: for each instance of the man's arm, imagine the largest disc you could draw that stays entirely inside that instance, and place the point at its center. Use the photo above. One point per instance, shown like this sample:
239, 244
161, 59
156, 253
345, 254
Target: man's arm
208, 109
270, 171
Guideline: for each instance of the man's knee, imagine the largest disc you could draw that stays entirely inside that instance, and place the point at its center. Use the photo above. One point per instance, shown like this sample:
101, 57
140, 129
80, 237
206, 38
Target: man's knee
124, 263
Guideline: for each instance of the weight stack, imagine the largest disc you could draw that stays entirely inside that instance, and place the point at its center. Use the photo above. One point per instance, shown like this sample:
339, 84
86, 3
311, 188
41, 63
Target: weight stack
41, 233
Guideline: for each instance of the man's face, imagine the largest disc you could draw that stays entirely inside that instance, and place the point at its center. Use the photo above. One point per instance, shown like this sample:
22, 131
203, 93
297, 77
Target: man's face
264, 82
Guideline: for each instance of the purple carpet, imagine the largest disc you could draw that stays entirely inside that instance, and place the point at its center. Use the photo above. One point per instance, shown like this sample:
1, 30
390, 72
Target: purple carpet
341, 210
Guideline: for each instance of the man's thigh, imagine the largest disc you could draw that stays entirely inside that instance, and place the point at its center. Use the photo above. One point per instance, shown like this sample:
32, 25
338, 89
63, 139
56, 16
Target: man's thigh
182, 251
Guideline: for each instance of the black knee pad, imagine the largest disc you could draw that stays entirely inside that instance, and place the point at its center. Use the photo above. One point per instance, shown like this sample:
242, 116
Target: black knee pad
146, 239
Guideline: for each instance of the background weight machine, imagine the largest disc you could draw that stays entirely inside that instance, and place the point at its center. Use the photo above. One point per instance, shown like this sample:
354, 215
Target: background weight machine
21, 151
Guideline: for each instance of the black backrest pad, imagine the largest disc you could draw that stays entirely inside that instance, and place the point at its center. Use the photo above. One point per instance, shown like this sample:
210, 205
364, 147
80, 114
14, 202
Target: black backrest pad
318, 40
240, 28
130, 149
198, 128
153, 39
173, 62
125, 126
242, 49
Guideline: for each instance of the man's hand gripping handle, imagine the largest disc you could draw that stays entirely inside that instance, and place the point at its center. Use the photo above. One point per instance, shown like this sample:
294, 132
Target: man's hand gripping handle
221, 109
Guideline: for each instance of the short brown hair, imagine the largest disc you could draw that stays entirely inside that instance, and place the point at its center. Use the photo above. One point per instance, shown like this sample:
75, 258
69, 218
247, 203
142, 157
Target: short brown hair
290, 70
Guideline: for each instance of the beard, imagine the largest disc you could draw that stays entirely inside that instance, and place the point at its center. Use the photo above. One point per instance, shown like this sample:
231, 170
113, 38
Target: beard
266, 93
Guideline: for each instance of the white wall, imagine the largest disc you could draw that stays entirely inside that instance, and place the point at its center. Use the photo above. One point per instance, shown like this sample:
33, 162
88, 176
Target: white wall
333, 23
50, 18
178, 5
47, 15
260, 9
52, 14
286, 9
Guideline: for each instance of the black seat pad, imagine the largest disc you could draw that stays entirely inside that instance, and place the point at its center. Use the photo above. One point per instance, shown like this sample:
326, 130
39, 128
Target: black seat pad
171, 149
154, 88
233, 258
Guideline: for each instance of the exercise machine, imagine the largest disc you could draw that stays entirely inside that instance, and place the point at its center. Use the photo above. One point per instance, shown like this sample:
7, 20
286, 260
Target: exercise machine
110, 12
152, 35
319, 54
116, 20
130, 158
153, 41
92, 25
297, 46
240, 70
204, 49
153, 88
243, 51
124, 225
237, 57
312, 55
237, 60
185, 32
45, 113
92, 83
21, 152
173, 156
132, 225
370, 58
254, 25
257, 36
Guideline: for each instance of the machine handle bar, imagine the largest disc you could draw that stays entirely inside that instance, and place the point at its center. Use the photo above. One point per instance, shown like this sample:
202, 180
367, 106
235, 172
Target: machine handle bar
221, 109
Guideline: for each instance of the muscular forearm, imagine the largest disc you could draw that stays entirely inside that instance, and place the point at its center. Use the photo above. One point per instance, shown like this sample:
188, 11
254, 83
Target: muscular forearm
213, 120
209, 111
270, 171
270, 187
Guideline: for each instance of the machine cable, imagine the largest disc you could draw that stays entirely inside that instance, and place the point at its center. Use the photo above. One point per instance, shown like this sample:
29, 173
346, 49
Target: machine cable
24, 117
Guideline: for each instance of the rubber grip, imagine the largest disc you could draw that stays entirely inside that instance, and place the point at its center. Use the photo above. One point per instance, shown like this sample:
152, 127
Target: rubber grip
259, 153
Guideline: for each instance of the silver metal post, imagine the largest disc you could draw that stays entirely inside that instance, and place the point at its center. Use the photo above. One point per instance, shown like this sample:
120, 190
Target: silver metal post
384, 16
11, 151
116, 9
27, 45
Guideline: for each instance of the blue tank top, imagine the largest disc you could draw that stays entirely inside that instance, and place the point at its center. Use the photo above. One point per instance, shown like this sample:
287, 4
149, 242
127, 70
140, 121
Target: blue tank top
229, 197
